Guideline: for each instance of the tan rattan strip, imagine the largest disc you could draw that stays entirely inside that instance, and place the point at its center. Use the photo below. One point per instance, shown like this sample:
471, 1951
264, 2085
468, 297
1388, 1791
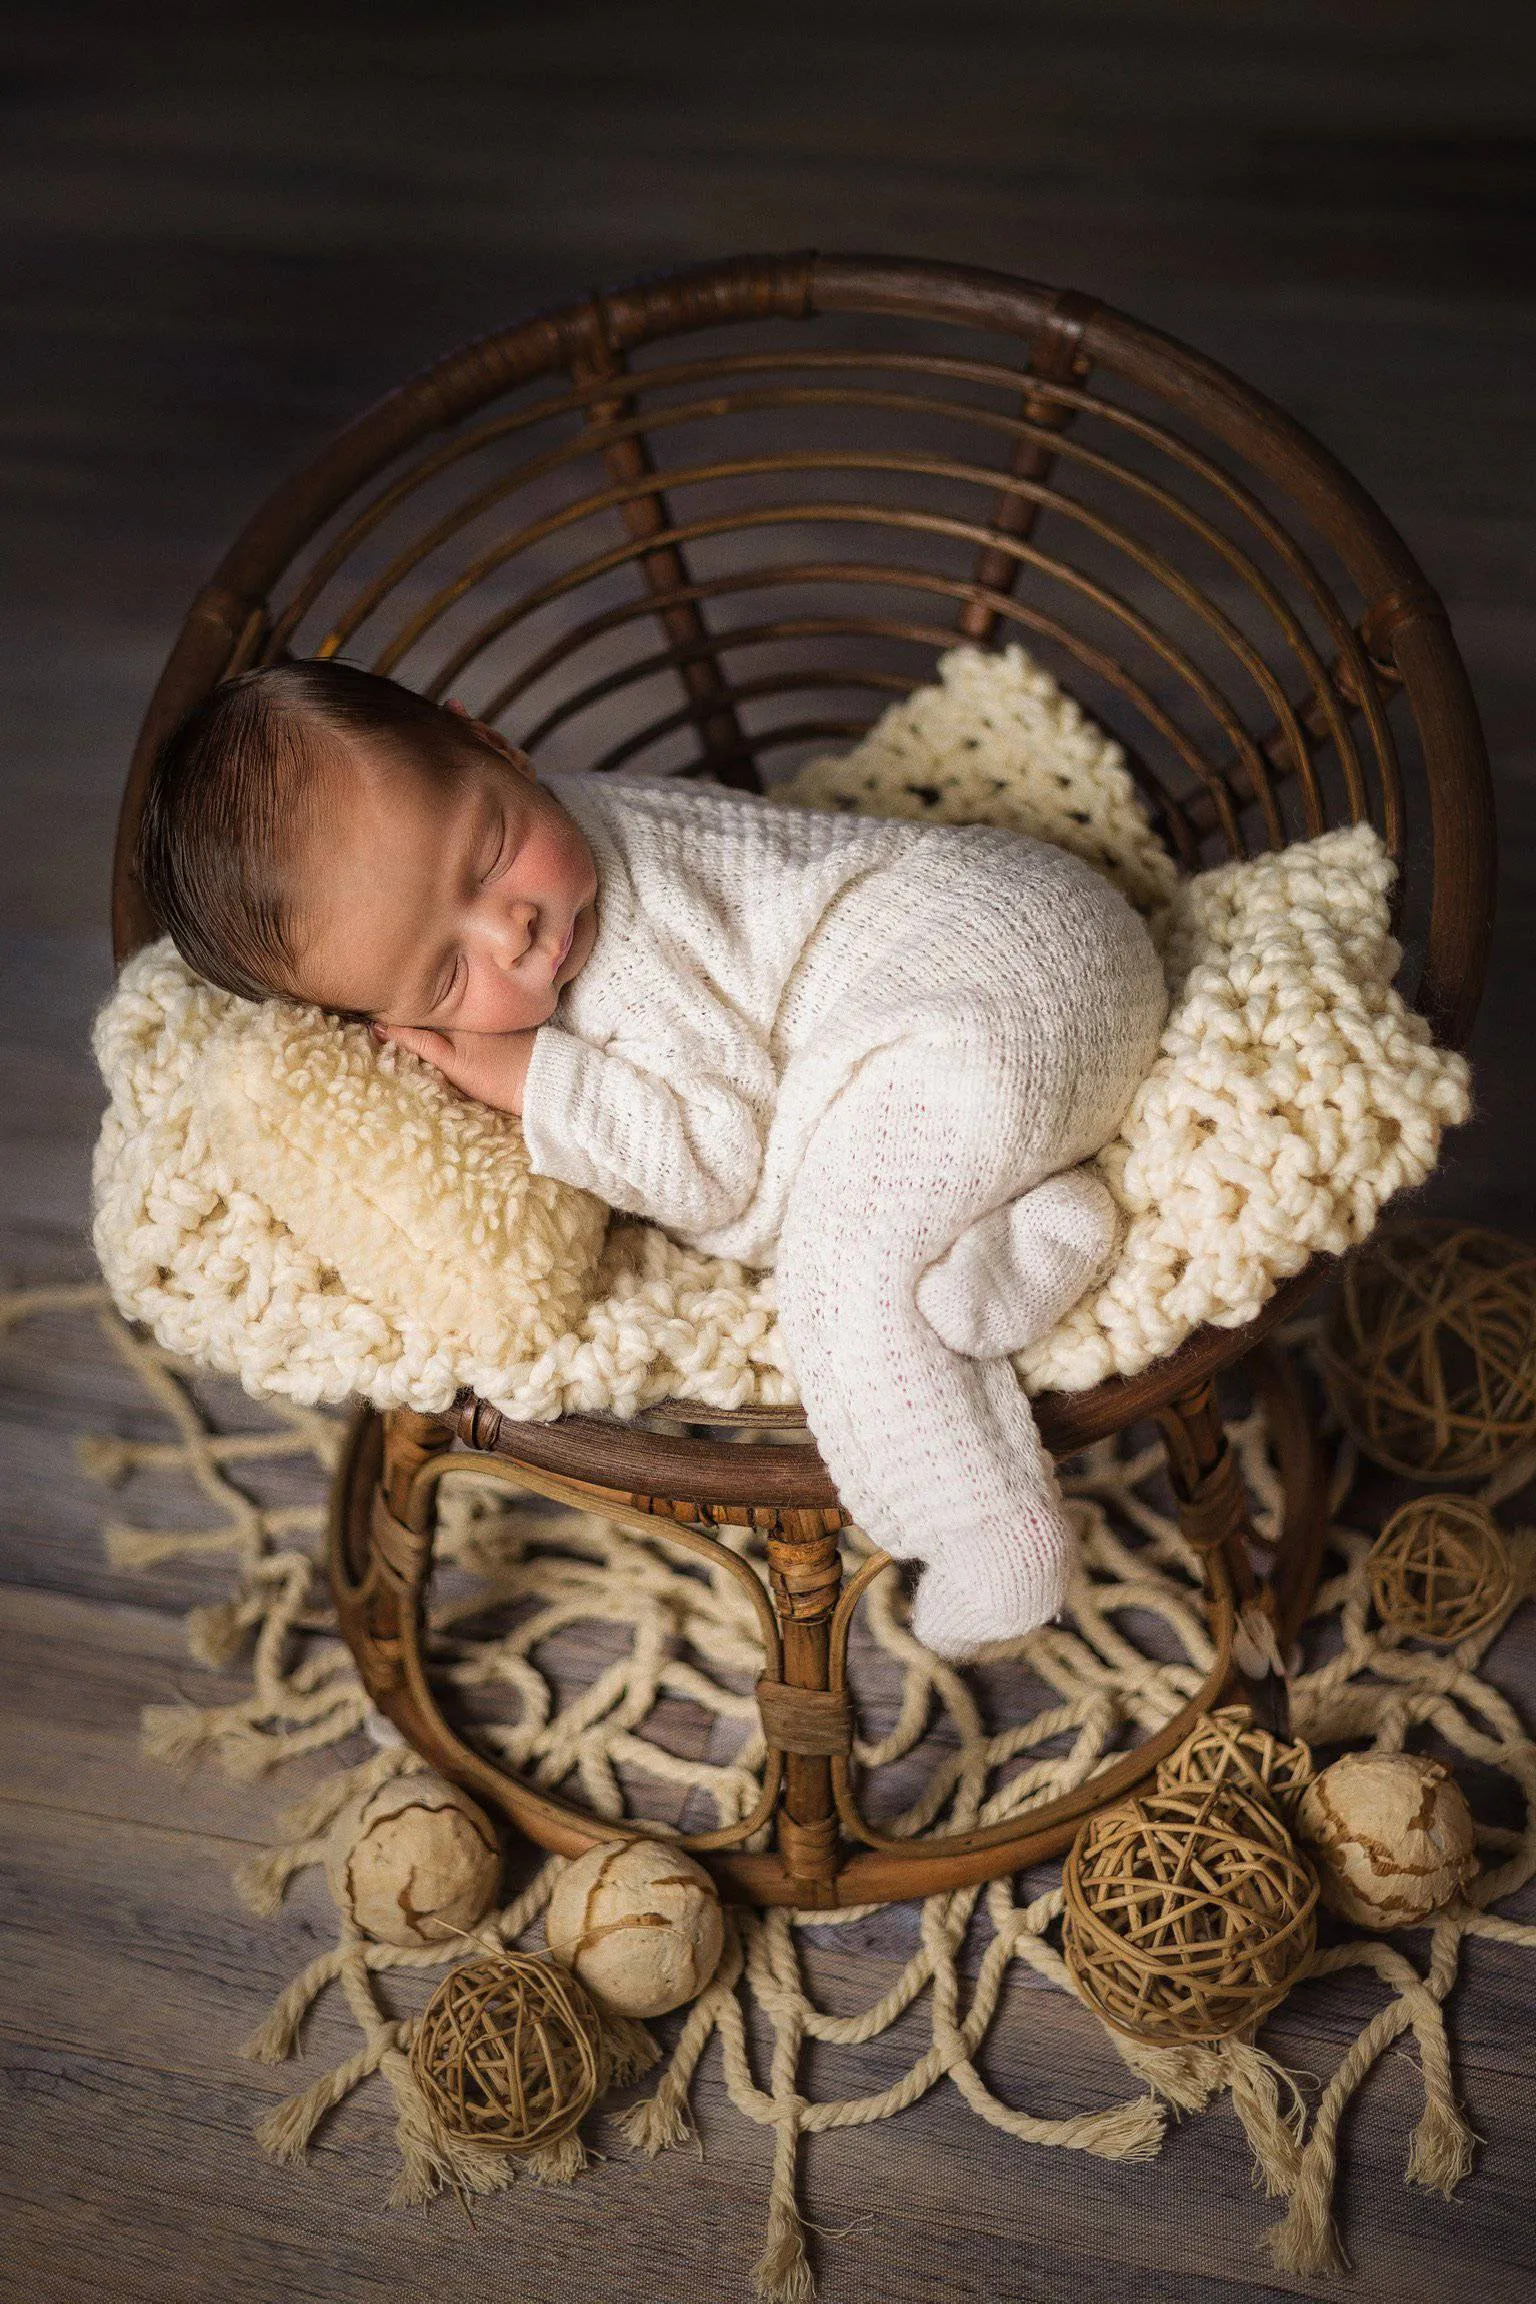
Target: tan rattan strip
729, 638
871, 573
918, 520
605, 437
1069, 400
839, 514
401, 1549
814, 1721
1059, 392
1215, 1504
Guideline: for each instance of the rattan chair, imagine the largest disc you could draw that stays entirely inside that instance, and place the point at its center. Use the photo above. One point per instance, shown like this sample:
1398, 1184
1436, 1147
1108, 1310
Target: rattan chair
713, 518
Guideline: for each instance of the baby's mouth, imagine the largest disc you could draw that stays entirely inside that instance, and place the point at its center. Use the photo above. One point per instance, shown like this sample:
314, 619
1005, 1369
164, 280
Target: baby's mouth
564, 951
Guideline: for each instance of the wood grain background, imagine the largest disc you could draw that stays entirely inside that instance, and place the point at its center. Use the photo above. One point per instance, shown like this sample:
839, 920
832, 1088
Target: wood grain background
225, 229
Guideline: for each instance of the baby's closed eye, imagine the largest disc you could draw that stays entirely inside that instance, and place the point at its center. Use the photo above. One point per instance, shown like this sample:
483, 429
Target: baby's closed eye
499, 854
447, 985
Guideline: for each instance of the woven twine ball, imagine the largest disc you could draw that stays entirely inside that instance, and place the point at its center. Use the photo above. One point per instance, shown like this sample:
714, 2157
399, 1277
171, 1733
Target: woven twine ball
640, 1923
1391, 1835
1439, 1569
1188, 1913
1430, 1349
1226, 1747
414, 1862
509, 2053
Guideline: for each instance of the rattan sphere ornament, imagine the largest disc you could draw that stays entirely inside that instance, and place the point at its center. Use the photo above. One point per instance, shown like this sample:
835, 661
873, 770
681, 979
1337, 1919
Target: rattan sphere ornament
1228, 1747
1430, 1350
1391, 1835
509, 2052
414, 1861
1439, 1571
1188, 1913
640, 1923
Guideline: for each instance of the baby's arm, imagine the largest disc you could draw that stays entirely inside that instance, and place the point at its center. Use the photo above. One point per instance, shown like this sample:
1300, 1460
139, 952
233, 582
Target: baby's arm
682, 1150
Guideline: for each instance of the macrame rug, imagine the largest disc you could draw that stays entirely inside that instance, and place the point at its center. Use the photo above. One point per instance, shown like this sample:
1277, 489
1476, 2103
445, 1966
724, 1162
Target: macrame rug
938, 1752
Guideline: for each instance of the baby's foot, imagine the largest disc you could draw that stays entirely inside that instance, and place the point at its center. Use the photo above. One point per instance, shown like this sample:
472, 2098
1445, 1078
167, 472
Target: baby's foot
1014, 1273
971, 1595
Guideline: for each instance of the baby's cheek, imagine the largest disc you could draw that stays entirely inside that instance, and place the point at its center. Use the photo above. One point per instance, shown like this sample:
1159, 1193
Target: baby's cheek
571, 859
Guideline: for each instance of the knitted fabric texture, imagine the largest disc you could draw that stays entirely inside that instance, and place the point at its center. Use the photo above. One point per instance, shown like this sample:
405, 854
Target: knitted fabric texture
687, 1063
1293, 1094
995, 740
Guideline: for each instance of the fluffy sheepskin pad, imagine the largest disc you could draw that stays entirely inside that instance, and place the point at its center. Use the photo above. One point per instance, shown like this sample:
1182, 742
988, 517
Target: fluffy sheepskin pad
279, 1198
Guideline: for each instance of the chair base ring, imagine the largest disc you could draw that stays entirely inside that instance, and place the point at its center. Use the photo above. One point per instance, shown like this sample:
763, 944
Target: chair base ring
380, 1547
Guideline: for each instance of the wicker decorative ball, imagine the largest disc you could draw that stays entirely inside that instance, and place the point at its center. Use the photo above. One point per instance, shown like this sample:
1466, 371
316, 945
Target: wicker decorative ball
508, 2053
1189, 1913
1439, 1569
640, 1923
1226, 1747
1430, 1350
1391, 1835
414, 1861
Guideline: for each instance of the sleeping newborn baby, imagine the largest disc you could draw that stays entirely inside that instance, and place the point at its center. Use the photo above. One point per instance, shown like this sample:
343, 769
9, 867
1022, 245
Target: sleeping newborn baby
868, 1053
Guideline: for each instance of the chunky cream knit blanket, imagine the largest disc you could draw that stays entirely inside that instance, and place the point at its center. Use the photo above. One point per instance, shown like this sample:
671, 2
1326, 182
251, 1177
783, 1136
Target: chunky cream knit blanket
278, 1199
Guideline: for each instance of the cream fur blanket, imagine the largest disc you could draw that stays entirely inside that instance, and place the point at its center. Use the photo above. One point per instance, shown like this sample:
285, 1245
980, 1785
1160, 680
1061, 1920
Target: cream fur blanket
277, 1198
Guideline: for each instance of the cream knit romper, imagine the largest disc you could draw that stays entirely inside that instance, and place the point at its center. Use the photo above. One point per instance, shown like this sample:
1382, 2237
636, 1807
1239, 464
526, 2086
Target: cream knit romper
867, 1053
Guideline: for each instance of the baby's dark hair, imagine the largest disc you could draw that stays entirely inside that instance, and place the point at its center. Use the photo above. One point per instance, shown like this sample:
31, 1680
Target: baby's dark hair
233, 791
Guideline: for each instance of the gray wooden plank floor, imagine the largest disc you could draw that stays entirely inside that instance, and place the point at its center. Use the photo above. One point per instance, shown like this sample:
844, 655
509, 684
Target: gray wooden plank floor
226, 229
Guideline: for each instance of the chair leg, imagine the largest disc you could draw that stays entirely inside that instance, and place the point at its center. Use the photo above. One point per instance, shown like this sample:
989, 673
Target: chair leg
805, 1571
1212, 1506
1303, 1467
409, 1439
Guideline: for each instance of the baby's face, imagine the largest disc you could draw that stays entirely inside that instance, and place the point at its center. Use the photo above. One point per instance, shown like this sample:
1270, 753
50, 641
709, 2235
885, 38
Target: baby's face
466, 910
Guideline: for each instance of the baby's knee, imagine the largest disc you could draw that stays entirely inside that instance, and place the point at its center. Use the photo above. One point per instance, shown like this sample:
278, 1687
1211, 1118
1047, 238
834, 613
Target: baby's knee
1020, 1268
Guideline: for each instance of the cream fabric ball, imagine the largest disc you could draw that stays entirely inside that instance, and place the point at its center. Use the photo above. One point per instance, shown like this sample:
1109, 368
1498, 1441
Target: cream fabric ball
640, 1923
1391, 1835
414, 1862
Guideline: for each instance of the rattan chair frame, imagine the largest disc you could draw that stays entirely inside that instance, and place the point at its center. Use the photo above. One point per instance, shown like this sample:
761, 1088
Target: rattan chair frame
1238, 772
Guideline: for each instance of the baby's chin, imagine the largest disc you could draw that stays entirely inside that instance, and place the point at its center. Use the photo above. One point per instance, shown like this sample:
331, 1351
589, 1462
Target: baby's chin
528, 1015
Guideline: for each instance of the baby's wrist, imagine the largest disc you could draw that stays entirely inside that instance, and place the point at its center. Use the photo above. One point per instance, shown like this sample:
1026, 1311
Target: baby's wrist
519, 1057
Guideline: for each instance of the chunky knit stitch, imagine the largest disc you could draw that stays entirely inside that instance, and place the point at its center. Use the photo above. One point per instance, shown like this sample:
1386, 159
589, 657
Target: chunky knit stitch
839, 1046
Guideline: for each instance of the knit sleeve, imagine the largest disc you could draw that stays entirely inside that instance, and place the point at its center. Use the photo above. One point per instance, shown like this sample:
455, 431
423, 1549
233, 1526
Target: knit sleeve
683, 1151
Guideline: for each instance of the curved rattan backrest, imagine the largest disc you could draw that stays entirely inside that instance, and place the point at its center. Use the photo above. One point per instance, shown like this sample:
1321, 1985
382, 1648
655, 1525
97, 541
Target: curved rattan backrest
704, 523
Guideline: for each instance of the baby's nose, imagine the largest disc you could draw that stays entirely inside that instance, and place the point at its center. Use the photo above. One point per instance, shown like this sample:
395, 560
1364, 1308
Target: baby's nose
511, 933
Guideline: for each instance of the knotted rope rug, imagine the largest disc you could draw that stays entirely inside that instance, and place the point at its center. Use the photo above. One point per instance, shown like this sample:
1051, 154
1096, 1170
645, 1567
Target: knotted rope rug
939, 1753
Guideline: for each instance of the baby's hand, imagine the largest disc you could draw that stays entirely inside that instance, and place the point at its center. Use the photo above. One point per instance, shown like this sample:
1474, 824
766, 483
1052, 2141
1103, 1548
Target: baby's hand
490, 1066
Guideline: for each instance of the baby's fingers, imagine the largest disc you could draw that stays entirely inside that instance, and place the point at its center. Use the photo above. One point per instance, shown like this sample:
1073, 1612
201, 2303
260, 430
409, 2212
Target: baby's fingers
433, 1047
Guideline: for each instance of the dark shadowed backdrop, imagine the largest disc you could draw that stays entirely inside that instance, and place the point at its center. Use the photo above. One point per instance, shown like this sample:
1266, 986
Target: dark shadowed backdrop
226, 228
